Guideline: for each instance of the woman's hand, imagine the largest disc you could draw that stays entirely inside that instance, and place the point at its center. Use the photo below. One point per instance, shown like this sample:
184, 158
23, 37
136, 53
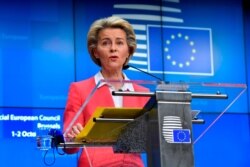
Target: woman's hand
75, 130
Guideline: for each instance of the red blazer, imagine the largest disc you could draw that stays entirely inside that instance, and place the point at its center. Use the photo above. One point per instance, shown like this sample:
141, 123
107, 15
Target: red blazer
99, 156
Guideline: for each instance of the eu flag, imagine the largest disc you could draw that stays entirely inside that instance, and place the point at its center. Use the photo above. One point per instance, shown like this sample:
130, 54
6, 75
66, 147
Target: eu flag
181, 136
180, 50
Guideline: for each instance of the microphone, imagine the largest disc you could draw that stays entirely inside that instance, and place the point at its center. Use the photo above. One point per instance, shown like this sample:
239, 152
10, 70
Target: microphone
57, 137
128, 66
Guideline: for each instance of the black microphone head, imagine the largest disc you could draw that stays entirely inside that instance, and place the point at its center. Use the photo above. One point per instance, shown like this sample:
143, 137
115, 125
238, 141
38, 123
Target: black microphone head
125, 67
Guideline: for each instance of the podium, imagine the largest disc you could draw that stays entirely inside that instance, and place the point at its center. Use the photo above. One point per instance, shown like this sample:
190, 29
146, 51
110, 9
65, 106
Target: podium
163, 127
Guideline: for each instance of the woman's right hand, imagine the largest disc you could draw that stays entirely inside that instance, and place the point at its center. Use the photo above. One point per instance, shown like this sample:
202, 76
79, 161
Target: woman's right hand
75, 130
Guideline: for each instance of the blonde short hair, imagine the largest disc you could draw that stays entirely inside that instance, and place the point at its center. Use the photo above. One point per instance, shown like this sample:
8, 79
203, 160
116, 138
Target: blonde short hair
110, 22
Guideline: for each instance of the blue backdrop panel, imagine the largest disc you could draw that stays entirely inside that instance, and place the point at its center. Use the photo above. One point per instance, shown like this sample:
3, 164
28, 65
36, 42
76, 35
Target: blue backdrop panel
37, 56
225, 144
29, 122
247, 38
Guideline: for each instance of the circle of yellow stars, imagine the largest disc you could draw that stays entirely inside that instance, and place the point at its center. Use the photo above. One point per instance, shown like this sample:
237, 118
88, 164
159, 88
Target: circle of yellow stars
170, 57
181, 136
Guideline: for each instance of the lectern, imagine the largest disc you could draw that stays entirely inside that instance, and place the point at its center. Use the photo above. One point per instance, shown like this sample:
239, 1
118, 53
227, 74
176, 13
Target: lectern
162, 128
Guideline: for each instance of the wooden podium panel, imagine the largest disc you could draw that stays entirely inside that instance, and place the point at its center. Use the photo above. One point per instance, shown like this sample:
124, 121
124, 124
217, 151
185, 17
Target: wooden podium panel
107, 131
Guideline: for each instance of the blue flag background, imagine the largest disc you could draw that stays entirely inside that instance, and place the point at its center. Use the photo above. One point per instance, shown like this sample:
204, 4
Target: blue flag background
181, 136
183, 50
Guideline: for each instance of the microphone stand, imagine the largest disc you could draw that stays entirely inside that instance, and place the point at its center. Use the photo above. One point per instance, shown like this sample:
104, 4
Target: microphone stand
128, 66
